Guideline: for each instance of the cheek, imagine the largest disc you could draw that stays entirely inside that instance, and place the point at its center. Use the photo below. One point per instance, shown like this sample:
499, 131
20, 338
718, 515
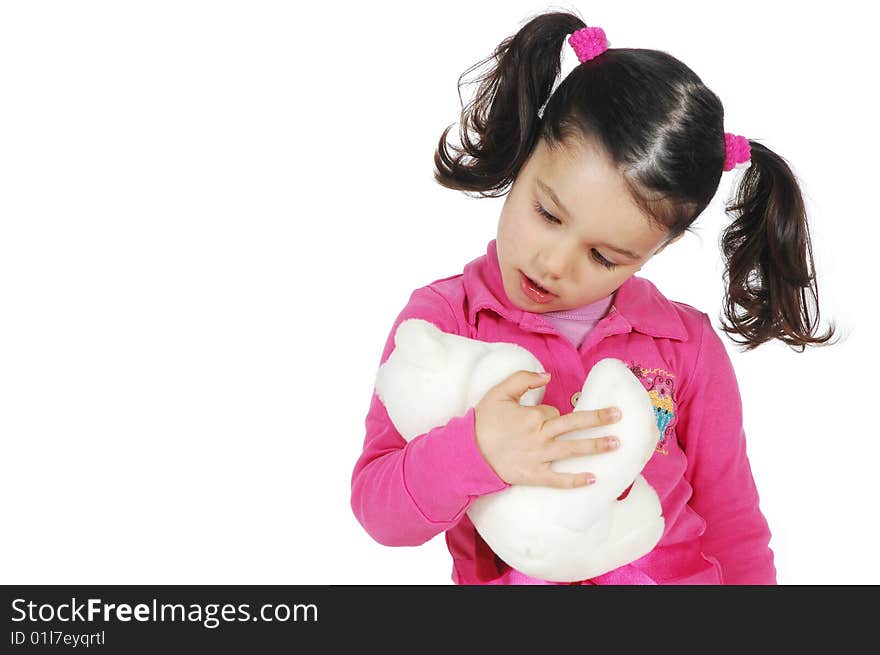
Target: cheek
509, 237
516, 229
512, 245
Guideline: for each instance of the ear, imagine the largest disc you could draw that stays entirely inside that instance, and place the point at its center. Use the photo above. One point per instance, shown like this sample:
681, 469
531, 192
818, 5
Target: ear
420, 342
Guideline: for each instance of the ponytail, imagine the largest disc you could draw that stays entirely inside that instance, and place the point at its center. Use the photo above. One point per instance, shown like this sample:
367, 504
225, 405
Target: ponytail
504, 112
769, 267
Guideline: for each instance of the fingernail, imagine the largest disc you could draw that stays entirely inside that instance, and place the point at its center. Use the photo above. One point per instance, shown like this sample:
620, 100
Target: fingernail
545, 374
589, 479
613, 413
613, 442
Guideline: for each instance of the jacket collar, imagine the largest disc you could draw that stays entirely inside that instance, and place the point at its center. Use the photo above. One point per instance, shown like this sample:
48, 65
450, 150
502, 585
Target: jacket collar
640, 305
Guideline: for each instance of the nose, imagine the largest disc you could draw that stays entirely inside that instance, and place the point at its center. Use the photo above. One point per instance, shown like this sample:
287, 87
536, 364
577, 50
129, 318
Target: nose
555, 261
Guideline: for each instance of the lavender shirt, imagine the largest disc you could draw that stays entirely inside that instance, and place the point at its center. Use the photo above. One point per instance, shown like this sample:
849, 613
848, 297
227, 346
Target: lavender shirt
575, 324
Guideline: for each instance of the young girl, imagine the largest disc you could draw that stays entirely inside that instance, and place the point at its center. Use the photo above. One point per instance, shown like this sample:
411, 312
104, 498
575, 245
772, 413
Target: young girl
605, 171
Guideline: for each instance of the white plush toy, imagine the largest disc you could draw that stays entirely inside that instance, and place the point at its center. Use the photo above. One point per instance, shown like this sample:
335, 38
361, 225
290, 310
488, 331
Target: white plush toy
559, 535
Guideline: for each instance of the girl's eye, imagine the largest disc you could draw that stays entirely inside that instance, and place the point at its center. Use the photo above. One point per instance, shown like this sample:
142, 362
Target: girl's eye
599, 258
550, 218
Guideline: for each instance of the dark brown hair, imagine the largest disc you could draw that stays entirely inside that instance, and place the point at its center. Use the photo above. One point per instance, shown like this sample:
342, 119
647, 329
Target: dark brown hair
664, 131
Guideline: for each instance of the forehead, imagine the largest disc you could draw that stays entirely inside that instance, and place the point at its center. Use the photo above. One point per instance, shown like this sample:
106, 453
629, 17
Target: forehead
594, 194
583, 177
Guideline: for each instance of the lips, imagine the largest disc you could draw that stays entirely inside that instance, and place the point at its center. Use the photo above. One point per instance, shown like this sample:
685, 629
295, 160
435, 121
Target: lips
537, 285
534, 291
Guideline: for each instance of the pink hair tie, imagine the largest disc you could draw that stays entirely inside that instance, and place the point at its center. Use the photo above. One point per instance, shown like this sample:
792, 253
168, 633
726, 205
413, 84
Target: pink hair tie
588, 42
737, 150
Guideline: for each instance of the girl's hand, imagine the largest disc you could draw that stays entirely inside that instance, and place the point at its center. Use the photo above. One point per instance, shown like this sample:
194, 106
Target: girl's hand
519, 442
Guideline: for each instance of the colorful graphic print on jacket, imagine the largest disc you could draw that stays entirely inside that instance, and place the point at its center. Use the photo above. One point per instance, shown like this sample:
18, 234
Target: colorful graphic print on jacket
661, 387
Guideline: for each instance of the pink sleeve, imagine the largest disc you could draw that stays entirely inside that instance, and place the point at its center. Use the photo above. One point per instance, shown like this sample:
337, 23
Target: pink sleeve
724, 494
405, 493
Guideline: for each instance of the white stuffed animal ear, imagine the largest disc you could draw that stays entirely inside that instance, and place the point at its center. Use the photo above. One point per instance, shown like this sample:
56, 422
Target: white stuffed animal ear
420, 343
414, 383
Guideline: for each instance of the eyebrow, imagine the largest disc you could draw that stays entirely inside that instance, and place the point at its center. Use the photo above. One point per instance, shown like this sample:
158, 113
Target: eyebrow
555, 198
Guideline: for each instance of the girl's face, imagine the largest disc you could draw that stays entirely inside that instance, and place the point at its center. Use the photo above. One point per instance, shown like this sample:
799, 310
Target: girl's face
590, 220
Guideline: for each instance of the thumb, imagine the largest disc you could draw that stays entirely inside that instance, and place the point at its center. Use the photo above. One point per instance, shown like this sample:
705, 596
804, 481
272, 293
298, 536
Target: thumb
513, 387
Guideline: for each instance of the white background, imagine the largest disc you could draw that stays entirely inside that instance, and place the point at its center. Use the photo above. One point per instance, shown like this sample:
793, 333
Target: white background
212, 212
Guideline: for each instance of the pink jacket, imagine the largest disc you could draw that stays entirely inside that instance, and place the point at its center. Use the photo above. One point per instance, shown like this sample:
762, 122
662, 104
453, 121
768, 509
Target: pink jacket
403, 494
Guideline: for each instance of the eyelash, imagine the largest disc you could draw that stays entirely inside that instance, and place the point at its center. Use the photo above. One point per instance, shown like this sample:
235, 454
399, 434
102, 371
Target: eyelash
550, 218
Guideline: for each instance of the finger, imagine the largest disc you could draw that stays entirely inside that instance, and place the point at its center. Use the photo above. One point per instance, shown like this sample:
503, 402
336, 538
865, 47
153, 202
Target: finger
517, 384
541, 414
577, 420
612, 414
548, 412
578, 447
550, 478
